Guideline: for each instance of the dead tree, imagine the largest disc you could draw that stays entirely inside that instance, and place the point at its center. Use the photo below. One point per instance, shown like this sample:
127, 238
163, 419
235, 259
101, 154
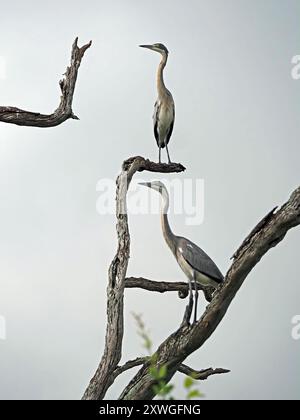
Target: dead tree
187, 338
13, 115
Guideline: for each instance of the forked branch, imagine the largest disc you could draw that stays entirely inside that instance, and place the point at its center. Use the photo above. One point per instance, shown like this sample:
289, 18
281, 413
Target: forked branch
201, 375
13, 115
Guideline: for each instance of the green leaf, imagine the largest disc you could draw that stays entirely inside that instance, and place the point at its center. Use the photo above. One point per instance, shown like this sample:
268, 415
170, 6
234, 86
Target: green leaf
168, 388
194, 393
159, 388
188, 382
156, 389
153, 372
161, 385
148, 344
162, 372
153, 358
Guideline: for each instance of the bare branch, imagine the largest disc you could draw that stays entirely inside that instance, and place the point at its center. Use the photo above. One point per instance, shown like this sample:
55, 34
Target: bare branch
257, 228
129, 365
146, 165
201, 375
159, 286
13, 115
104, 375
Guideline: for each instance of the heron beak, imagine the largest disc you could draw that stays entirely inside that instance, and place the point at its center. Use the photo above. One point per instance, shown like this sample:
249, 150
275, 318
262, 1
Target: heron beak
150, 47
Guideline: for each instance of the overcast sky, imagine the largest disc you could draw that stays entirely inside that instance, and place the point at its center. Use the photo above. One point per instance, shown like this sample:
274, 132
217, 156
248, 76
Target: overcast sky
237, 128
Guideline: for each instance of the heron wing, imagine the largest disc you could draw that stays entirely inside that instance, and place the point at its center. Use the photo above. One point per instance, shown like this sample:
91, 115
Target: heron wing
199, 260
171, 127
156, 120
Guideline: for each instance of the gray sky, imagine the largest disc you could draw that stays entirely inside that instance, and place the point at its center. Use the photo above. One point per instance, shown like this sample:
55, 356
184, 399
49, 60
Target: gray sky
237, 127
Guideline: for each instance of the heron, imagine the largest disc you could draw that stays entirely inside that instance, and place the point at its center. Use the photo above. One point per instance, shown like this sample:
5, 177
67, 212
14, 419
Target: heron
164, 108
198, 267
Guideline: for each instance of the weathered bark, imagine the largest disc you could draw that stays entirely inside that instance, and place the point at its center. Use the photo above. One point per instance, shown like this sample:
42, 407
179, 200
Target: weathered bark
129, 365
159, 286
104, 375
188, 338
203, 374
13, 115
199, 375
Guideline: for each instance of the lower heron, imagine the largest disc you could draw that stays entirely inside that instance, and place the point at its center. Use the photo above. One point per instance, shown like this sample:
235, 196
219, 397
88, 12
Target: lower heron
194, 262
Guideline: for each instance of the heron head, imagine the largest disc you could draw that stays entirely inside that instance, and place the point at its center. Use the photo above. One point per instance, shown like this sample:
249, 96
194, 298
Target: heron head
155, 185
158, 47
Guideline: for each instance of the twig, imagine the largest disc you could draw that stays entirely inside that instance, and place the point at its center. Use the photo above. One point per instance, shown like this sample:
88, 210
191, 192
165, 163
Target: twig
129, 365
203, 374
158, 286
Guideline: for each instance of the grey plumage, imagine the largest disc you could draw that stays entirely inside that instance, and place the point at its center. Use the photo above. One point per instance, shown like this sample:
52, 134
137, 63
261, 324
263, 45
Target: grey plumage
164, 107
194, 262
199, 260
163, 124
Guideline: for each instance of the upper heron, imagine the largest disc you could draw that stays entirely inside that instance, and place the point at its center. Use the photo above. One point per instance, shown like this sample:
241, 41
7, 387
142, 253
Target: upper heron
194, 262
164, 108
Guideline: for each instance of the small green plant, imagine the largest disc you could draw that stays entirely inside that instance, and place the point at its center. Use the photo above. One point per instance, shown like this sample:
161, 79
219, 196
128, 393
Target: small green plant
191, 388
161, 388
143, 333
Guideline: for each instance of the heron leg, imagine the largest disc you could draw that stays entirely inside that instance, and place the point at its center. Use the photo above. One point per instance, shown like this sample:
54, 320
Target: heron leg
168, 153
196, 300
159, 154
189, 308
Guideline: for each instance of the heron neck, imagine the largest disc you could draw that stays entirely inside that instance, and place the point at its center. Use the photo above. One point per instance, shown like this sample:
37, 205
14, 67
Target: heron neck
161, 88
167, 232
